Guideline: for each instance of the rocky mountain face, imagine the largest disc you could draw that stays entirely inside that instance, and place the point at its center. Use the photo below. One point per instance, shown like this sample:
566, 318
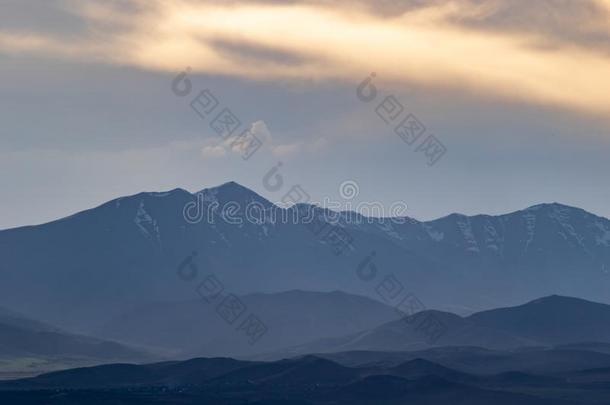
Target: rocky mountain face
83, 270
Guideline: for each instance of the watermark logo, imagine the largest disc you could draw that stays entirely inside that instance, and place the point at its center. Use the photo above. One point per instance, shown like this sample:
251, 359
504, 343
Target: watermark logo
411, 310
349, 189
366, 91
229, 307
273, 181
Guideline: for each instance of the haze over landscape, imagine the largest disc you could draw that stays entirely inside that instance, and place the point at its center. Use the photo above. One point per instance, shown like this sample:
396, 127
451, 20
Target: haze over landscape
305, 202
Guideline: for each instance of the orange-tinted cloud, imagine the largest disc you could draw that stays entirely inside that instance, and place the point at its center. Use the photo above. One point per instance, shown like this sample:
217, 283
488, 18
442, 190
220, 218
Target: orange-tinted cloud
471, 45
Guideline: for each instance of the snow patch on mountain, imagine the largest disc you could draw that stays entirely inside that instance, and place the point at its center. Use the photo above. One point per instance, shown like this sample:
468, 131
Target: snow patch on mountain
465, 228
434, 234
493, 240
530, 228
160, 194
147, 224
386, 227
603, 236
562, 216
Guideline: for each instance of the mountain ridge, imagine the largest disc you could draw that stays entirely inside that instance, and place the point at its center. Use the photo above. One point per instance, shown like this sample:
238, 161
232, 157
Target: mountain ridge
553, 321
232, 187
126, 252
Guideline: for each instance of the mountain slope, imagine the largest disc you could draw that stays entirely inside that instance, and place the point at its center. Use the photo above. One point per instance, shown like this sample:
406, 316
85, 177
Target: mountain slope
189, 372
22, 337
410, 333
304, 380
294, 317
476, 360
545, 322
553, 320
97, 264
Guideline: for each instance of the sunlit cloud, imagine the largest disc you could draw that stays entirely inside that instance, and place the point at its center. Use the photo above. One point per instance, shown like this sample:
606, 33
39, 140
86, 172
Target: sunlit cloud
466, 45
213, 151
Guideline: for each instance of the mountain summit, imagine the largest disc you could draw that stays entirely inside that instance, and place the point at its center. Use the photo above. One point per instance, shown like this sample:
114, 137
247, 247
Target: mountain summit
126, 252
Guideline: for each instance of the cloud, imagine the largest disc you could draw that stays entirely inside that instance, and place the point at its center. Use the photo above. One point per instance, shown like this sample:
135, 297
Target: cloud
553, 53
287, 149
213, 151
260, 130
239, 145
314, 146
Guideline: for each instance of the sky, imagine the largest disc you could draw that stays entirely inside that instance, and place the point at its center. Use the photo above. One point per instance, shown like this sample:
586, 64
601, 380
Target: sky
517, 93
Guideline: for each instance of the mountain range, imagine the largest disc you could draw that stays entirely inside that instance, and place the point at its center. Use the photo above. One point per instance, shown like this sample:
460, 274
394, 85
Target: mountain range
543, 323
310, 380
83, 271
28, 346
193, 328
520, 314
